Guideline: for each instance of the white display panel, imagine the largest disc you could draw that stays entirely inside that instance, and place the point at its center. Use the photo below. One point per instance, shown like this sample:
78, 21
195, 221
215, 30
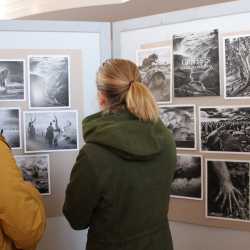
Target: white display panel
92, 38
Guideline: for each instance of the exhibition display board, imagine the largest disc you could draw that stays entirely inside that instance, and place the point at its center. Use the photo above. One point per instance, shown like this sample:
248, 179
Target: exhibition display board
203, 65
47, 88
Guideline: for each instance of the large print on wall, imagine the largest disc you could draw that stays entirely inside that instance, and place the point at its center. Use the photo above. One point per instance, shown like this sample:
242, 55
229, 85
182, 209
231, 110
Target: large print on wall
12, 80
196, 64
181, 121
237, 66
49, 81
35, 168
188, 177
227, 192
155, 65
10, 126
225, 129
50, 131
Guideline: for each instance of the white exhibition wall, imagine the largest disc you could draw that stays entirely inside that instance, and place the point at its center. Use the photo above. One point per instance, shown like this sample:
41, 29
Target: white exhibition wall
92, 40
131, 35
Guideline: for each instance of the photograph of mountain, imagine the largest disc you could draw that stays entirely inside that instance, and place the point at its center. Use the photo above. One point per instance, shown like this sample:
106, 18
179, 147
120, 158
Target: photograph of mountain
181, 121
49, 81
196, 64
237, 67
155, 65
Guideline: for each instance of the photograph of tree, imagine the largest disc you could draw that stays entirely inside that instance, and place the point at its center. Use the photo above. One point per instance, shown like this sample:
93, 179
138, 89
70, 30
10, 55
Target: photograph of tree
237, 66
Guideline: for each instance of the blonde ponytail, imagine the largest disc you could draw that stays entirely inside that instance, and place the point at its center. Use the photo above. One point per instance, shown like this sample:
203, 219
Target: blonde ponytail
120, 81
141, 103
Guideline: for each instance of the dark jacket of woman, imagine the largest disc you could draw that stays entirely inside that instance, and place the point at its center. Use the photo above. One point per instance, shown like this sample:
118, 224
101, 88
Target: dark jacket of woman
119, 186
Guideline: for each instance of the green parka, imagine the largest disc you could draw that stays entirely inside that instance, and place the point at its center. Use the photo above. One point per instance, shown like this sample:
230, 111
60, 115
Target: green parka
119, 186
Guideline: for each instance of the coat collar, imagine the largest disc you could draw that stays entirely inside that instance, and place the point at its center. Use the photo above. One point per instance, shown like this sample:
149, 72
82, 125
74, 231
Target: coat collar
2, 139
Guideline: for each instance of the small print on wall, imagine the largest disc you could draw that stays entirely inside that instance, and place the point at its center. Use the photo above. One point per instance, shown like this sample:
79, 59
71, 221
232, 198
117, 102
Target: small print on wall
188, 177
50, 131
35, 169
12, 80
237, 66
225, 129
10, 126
155, 65
227, 192
49, 81
181, 121
196, 64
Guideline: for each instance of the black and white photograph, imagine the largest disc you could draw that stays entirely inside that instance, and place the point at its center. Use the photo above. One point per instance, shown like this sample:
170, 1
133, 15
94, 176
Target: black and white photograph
12, 80
35, 169
49, 81
155, 65
188, 177
227, 189
237, 67
46, 131
181, 120
225, 129
196, 64
10, 126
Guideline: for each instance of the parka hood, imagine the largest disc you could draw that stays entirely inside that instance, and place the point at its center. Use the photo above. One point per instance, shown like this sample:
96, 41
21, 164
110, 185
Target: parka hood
125, 134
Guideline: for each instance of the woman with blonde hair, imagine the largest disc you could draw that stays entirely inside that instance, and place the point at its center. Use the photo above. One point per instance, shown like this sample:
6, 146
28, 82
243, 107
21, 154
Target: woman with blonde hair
119, 186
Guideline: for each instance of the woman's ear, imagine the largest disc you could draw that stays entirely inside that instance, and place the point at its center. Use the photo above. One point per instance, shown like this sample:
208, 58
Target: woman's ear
102, 99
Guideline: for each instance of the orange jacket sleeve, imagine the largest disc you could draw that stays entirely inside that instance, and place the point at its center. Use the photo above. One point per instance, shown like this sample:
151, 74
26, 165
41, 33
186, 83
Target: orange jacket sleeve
22, 214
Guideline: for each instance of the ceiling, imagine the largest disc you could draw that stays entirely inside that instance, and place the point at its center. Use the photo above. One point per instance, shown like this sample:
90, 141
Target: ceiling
126, 10
10, 9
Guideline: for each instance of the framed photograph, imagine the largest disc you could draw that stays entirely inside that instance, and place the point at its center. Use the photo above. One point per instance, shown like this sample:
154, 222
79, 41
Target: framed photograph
46, 131
225, 129
49, 81
188, 177
36, 169
12, 80
236, 67
196, 64
10, 126
227, 189
155, 65
181, 120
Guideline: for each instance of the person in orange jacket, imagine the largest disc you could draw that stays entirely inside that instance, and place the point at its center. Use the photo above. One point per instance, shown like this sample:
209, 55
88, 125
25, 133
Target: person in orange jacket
22, 214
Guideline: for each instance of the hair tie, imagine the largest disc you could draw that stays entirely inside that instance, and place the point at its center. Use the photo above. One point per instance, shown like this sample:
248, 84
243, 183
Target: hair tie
131, 82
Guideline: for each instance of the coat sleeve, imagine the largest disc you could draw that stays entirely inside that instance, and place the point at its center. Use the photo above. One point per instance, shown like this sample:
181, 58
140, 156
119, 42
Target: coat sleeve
82, 193
22, 214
